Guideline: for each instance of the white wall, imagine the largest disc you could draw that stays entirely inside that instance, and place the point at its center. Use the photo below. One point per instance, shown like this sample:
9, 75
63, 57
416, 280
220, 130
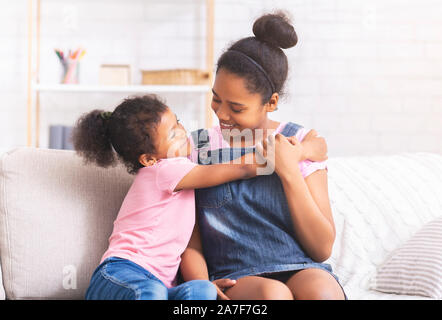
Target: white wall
366, 74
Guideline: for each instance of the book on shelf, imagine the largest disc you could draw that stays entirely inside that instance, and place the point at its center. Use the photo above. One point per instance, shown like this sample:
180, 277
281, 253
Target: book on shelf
60, 137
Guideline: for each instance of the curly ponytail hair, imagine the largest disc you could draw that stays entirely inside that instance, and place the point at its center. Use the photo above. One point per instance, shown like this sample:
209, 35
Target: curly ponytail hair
273, 32
125, 134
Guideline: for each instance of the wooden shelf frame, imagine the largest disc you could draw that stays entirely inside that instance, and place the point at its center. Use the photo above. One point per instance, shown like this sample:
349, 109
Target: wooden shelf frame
34, 87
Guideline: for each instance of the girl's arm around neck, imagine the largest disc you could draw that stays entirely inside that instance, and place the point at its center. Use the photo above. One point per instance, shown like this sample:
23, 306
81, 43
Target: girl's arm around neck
204, 176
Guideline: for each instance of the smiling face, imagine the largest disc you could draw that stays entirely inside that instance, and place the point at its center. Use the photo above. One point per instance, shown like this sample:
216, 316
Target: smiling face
170, 140
236, 107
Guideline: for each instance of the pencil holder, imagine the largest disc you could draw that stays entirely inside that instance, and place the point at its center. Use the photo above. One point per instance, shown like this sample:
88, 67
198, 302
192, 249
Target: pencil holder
70, 72
70, 65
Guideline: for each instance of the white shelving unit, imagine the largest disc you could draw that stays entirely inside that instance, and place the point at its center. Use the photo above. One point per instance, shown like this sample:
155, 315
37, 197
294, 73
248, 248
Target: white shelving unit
129, 89
35, 87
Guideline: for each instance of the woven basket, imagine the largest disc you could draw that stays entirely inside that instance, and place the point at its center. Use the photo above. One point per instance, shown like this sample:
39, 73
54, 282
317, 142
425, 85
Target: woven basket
175, 76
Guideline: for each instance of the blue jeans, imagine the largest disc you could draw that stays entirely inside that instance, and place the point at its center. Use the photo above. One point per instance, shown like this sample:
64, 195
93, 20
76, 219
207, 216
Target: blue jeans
121, 279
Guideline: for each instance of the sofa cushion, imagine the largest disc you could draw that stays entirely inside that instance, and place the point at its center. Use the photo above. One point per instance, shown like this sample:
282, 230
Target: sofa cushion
415, 268
56, 215
378, 203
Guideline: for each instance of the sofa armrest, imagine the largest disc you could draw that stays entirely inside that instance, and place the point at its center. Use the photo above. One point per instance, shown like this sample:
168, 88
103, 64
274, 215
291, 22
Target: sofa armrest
56, 215
2, 290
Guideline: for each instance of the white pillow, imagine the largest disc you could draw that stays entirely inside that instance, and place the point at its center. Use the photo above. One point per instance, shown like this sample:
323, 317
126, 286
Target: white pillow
416, 267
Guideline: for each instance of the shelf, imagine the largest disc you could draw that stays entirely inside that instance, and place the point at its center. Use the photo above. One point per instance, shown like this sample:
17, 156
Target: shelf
126, 89
34, 89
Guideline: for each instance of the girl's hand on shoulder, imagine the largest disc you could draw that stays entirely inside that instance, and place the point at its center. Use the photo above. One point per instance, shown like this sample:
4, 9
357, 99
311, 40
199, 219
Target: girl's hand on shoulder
314, 147
280, 152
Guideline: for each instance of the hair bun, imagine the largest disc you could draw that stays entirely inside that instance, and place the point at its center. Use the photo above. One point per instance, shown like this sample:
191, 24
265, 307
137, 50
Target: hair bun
276, 30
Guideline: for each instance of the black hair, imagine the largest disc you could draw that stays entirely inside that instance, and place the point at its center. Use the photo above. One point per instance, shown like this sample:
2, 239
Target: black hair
273, 32
129, 131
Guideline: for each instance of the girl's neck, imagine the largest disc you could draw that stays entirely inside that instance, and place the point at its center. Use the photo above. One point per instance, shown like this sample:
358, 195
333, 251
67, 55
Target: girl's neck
271, 124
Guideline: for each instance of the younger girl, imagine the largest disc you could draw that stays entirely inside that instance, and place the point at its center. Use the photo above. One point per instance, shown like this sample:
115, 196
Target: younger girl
157, 216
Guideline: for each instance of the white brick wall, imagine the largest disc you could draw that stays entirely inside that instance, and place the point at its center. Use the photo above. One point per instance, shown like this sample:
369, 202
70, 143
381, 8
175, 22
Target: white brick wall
366, 75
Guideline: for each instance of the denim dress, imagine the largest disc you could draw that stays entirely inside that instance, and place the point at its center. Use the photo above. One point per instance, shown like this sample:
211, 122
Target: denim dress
245, 225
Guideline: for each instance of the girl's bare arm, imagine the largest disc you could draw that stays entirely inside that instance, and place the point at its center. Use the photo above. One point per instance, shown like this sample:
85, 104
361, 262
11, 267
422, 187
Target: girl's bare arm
311, 213
307, 198
193, 265
204, 176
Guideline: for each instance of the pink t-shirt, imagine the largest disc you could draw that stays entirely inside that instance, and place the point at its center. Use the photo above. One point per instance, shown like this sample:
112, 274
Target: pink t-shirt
307, 167
154, 224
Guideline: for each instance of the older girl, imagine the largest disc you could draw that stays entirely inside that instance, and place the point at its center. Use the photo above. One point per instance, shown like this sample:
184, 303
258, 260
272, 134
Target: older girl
267, 237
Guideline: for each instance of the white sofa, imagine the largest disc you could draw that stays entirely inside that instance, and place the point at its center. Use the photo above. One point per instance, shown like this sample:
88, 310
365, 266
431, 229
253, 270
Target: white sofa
56, 216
